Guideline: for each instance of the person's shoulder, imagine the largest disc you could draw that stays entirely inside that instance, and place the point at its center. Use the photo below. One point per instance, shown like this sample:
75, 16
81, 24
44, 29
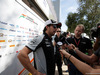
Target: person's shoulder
41, 36
38, 38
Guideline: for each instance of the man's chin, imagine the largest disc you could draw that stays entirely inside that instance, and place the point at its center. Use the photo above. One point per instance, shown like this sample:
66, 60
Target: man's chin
53, 34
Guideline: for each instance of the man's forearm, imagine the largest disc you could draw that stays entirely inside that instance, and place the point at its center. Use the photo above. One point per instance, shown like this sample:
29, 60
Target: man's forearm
25, 61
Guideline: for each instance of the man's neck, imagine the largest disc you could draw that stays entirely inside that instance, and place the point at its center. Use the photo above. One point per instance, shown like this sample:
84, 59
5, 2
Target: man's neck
58, 36
77, 37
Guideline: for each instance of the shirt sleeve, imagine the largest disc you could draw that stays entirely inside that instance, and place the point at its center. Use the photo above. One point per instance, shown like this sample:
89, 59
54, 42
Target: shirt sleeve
34, 42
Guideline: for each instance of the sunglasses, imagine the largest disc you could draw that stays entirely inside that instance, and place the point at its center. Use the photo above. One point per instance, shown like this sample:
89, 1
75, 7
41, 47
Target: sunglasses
58, 31
54, 26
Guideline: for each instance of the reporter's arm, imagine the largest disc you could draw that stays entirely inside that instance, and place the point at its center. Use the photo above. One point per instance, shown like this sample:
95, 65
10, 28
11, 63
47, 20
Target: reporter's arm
25, 61
82, 67
90, 59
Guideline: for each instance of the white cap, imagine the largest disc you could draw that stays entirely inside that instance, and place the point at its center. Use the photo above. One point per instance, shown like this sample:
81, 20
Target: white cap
50, 21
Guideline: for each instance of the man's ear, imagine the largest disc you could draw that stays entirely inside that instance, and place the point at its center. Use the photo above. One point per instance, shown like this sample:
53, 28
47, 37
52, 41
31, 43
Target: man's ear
46, 27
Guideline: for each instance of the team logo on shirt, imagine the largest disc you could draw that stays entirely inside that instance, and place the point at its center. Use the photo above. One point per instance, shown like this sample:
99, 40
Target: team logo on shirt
47, 43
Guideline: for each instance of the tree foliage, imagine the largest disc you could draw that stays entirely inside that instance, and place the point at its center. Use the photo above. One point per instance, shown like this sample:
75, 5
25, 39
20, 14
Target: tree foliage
88, 14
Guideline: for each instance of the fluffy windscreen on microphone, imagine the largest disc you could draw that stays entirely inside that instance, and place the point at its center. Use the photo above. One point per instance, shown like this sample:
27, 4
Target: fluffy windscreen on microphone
63, 39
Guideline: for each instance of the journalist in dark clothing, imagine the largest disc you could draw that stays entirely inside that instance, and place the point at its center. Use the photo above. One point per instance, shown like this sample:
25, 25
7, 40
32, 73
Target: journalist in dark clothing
58, 58
82, 43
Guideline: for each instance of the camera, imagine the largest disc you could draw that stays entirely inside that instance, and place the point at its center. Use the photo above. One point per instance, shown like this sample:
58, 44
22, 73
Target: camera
95, 31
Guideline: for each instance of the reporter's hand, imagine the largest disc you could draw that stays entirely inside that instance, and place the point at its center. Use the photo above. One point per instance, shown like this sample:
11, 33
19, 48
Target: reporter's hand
64, 52
71, 47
